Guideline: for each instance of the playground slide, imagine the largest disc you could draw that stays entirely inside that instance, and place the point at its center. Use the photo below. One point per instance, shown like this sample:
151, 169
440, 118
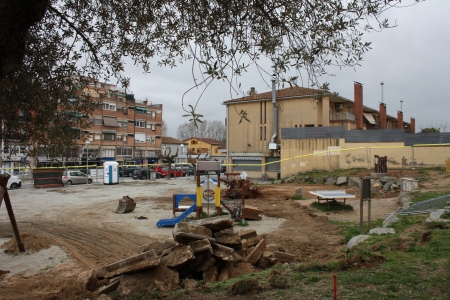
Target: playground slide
172, 222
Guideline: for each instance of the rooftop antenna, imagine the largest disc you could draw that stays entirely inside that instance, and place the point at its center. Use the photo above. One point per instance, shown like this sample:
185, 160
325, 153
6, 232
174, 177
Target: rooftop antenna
382, 93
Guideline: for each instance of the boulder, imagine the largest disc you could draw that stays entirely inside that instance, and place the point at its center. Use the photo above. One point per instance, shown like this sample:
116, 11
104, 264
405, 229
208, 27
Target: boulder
354, 181
357, 240
289, 180
341, 180
381, 231
331, 180
318, 180
386, 179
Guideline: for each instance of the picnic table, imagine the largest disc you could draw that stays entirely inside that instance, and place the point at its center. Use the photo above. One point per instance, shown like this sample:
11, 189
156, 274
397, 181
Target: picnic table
333, 195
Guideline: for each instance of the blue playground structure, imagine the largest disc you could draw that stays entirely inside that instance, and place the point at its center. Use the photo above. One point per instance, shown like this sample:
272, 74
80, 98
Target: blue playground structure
187, 210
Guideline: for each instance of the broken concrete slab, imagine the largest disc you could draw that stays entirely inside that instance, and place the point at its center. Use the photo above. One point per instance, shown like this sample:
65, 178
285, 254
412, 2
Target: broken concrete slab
256, 253
228, 238
392, 218
111, 287
89, 280
434, 215
250, 242
224, 272
184, 233
247, 233
225, 253
283, 257
189, 284
201, 246
179, 256
210, 275
357, 240
160, 278
381, 231
157, 246
217, 224
206, 263
104, 297
252, 213
102, 271
135, 267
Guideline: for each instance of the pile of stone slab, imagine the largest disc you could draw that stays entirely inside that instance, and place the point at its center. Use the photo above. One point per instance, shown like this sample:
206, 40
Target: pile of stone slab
203, 250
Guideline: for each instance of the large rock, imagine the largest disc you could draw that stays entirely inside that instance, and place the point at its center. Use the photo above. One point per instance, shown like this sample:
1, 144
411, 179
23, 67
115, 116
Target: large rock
318, 180
341, 180
404, 198
354, 181
277, 182
289, 180
386, 179
381, 231
357, 240
160, 278
331, 180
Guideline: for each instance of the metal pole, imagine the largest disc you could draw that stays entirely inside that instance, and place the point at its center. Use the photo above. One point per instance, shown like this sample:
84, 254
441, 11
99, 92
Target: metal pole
87, 162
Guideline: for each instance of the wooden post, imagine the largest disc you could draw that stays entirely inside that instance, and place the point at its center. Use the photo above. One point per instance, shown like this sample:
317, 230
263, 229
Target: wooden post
243, 199
12, 219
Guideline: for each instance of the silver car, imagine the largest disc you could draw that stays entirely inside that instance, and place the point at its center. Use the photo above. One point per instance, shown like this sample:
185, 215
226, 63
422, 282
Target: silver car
75, 177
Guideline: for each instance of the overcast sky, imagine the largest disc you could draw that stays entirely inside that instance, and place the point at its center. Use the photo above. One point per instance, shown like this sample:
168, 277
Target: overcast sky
413, 61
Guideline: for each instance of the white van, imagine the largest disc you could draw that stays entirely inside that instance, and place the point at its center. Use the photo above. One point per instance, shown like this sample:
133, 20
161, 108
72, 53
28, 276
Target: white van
13, 182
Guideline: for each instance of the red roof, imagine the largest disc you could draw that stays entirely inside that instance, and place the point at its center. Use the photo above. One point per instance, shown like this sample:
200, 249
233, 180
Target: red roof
290, 92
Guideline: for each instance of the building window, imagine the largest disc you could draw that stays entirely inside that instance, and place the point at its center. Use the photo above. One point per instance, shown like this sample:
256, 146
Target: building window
139, 138
108, 153
153, 140
91, 137
109, 137
149, 139
140, 112
109, 106
149, 126
125, 124
140, 124
98, 122
91, 121
98, 136
124, 151
119, 123
153, 127
153, 115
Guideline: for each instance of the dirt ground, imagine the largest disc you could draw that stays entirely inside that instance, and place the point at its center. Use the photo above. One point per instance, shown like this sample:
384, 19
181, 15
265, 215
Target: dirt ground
91, 235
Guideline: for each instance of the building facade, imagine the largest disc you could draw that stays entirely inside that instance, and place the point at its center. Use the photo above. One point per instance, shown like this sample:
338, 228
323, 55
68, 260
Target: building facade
257, 142
206, 147
122, 128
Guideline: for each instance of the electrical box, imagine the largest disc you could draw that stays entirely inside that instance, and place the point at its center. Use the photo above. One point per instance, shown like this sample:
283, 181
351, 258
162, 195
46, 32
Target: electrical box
273, 146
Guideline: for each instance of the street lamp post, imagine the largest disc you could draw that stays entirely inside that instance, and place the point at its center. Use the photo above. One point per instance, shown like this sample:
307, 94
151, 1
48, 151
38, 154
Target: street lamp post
87, 161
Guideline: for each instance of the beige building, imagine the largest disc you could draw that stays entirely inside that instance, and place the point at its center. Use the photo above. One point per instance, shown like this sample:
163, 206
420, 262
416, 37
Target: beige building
256, 146
208, 147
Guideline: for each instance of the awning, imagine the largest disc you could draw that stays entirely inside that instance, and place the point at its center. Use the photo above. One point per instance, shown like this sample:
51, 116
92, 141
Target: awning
141, 108
110, 121
109, 131
108, 158
246, 158
370, 118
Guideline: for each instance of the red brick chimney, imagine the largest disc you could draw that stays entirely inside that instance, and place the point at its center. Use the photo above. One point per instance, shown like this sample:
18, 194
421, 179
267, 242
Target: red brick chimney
358, 95
412, 126
383, 118
400, 120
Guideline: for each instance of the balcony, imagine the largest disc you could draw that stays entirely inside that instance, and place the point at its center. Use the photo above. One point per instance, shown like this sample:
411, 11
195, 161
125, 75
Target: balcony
342, 116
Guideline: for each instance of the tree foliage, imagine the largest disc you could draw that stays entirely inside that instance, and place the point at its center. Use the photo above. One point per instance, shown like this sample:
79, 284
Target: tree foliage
207, 129
44, 43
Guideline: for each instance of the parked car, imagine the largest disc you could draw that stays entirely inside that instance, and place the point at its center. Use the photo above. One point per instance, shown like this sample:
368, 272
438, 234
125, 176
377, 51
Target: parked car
128, 171
189, 170
145, 174
174, 172
14, 182
75, 177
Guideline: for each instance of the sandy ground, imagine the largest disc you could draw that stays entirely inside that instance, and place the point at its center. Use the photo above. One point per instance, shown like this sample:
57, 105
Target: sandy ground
72, 229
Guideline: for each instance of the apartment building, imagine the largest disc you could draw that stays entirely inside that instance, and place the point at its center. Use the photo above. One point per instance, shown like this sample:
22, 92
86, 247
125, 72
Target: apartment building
122, 128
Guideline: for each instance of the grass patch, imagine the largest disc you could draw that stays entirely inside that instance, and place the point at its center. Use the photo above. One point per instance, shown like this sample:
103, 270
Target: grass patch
446, 215
421, 196
331, 206
243, 224
297, 197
